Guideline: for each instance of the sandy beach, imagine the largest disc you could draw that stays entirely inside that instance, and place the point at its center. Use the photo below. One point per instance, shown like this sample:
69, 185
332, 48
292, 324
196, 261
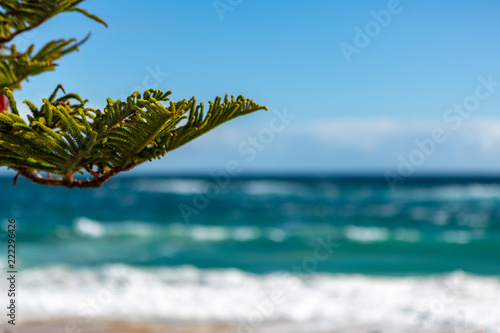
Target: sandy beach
121, 327
113, 327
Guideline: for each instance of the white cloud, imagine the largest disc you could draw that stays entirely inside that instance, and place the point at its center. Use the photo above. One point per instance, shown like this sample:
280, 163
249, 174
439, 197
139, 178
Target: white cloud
366, 134
484, 133
345, 143
362, 144
370, 134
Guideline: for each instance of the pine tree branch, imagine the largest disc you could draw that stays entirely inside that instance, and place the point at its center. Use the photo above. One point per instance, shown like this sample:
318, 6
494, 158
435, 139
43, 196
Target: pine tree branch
36, 178
19, 16
63, 138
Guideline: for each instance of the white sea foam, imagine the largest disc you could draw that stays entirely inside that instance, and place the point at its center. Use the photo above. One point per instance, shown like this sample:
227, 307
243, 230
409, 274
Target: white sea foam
119, 292
273, 187
174, 186
86, 227
467, 192
216, 233
366, 234
450, 193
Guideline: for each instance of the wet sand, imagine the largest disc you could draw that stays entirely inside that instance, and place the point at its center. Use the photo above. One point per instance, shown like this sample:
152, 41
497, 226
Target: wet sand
114, 327
120, 327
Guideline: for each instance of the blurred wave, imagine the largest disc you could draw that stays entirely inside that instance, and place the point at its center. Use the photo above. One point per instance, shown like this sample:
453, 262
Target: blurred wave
261, 225
188, 294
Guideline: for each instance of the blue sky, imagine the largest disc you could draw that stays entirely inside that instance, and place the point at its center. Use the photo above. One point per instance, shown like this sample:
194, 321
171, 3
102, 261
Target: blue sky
372, 110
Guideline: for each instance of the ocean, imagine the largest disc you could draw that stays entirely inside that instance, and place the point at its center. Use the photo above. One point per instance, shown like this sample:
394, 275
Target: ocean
315, 251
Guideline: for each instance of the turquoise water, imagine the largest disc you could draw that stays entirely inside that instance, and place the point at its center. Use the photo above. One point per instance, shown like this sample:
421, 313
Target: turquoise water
262, 224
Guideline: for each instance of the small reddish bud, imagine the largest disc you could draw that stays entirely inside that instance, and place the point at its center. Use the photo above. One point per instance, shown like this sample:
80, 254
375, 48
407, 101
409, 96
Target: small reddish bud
4, 103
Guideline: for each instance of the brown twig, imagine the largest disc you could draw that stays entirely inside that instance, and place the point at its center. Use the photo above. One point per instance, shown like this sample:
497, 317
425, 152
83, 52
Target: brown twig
36, 178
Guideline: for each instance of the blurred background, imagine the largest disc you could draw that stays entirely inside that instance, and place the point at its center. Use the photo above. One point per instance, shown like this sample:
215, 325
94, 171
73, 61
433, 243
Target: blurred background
368, 194
362, 81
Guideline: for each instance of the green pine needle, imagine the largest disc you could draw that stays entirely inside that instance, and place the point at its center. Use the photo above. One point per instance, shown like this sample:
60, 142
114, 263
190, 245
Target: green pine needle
62, 138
